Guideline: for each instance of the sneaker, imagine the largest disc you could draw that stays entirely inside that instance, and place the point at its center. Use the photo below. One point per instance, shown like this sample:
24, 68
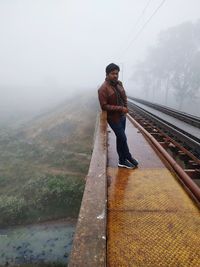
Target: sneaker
126, 164
133, 161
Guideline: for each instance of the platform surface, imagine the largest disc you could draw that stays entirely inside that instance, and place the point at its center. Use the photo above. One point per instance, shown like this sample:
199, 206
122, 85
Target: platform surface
151, 219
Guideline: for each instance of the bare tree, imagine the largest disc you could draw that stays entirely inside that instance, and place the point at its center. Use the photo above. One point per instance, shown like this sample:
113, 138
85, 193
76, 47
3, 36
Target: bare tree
173, 64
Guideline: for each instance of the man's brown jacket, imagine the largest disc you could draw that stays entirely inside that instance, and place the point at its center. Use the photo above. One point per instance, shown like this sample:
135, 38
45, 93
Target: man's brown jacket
109, 102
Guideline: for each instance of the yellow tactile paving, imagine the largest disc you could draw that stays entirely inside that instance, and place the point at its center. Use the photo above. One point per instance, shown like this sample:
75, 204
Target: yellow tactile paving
153, 239
147, 189
151, 219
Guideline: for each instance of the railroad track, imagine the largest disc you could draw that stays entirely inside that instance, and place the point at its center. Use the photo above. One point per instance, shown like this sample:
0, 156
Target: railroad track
181, 146
190, 119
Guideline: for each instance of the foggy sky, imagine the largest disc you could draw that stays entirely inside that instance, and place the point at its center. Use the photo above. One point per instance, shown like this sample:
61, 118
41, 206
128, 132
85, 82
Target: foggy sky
49, 49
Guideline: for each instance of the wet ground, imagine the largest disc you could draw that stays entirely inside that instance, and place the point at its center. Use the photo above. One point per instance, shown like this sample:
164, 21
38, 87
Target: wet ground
37, 243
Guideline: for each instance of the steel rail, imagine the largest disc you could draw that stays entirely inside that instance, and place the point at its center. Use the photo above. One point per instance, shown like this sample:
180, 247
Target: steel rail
188, 118
192, 188
192, 142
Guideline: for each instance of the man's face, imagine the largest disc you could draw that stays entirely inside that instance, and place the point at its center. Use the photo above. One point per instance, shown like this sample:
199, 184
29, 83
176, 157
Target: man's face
113, 75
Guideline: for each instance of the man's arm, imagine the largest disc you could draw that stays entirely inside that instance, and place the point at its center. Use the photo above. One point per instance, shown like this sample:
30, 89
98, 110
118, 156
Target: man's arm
125, 100
123, 94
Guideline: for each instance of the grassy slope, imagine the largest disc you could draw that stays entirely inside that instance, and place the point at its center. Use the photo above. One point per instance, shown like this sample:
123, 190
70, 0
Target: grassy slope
44, 162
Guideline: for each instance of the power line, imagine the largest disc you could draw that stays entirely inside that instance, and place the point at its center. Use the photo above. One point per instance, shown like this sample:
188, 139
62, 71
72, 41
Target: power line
144, 25
143, 11
138, 20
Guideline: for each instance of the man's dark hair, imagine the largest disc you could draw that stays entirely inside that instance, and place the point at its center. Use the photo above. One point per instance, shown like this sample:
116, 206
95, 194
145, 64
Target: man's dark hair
112, 67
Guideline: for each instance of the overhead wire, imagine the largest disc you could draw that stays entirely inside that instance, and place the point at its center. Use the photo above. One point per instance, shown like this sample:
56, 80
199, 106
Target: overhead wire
139, 18
141, 15
142, 28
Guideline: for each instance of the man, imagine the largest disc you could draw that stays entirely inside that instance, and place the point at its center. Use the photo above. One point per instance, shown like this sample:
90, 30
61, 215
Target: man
113, 99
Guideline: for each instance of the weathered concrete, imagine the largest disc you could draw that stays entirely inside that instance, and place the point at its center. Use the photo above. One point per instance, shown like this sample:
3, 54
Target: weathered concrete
89, 246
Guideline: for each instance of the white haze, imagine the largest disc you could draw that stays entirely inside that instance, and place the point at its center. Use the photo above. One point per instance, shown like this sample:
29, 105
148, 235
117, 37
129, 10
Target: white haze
50, 49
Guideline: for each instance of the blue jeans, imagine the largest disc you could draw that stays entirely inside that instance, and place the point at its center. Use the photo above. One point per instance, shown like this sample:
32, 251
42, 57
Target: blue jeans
121, 140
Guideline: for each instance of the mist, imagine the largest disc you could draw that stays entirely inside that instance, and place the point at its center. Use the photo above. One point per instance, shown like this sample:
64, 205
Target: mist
53, 49
53, 55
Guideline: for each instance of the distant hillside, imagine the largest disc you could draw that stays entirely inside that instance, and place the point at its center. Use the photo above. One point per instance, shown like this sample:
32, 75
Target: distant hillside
44, 162
69, 116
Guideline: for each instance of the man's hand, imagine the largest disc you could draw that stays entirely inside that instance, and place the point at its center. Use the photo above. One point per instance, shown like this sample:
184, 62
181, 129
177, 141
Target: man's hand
124, 110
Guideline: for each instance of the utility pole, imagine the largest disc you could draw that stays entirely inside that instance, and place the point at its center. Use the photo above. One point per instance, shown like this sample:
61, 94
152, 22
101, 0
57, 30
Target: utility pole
122, 71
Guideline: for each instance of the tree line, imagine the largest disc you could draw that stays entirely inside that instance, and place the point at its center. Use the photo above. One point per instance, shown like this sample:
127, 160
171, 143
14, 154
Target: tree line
172, 65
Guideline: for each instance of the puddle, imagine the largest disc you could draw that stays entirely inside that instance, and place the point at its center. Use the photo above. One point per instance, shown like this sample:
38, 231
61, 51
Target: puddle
37, 243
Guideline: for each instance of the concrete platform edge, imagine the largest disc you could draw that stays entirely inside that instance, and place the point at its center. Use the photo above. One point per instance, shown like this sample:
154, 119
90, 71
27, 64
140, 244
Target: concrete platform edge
89, 245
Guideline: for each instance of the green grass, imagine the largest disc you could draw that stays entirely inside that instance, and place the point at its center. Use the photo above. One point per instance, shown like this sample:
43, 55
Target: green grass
45, 197
43, 164
30, 191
